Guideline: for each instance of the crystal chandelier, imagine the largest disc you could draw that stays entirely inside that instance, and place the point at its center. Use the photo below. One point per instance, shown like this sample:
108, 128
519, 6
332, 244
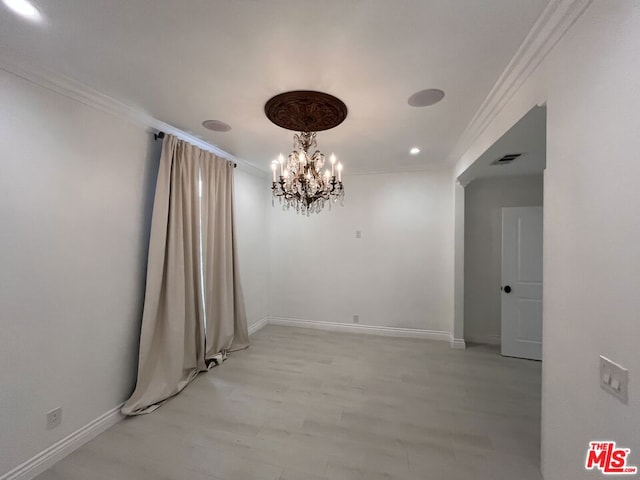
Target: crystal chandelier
300, 184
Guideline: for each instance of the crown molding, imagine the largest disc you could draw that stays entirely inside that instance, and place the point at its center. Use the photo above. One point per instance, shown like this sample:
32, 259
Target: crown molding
555, 20
75, 90
78, 91
428, 168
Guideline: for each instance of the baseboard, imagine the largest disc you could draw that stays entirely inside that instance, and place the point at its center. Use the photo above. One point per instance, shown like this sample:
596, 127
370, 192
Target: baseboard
484, 339
259, 325
56, 452
357, 328
457, 343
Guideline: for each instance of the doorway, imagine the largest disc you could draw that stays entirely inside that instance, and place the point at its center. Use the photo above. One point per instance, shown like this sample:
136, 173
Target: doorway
503, 199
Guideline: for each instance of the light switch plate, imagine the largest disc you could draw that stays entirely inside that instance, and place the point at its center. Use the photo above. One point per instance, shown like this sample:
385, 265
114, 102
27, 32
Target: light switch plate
614, 379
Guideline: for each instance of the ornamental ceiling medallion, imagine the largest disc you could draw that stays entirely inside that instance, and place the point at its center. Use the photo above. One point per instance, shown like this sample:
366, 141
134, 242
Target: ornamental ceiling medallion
301, 184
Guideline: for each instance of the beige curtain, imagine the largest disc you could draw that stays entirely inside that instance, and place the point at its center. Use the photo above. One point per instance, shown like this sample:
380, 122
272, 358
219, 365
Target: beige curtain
193, 308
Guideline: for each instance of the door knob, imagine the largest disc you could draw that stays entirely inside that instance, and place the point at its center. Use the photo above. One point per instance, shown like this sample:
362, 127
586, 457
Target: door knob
506, 289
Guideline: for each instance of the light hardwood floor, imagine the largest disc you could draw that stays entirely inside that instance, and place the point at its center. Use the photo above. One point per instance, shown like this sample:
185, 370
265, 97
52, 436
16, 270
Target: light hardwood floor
306, 404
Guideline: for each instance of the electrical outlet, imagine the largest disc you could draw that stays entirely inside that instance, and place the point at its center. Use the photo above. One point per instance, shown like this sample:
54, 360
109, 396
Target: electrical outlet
356, 319
614, 379
54, 418
358, 233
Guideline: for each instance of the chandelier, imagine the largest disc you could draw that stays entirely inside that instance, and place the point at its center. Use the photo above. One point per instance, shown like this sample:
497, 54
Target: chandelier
298, 181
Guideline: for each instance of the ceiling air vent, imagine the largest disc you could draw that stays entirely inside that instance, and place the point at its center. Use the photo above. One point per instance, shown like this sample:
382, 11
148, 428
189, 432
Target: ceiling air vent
506, 159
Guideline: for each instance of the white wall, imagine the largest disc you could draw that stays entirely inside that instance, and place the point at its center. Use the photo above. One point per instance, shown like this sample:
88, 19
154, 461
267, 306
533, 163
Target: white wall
484, 199
399, 274
252, 194
591, 230
76, 193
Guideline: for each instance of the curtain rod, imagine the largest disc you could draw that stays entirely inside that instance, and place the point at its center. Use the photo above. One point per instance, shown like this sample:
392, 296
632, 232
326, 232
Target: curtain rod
160, 136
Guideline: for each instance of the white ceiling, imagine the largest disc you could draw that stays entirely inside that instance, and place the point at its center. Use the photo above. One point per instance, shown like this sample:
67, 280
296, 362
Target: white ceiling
185, 61
528, 137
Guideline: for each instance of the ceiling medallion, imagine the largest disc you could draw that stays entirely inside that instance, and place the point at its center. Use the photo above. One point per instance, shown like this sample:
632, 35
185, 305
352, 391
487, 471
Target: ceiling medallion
306, 111
298, 182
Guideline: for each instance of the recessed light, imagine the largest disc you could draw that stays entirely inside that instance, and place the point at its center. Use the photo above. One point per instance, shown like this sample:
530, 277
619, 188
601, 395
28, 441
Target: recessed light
216, 125
23, 8
414, 151
424, 98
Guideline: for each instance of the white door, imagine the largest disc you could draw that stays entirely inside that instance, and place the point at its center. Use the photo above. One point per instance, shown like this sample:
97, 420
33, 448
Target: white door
522, 282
